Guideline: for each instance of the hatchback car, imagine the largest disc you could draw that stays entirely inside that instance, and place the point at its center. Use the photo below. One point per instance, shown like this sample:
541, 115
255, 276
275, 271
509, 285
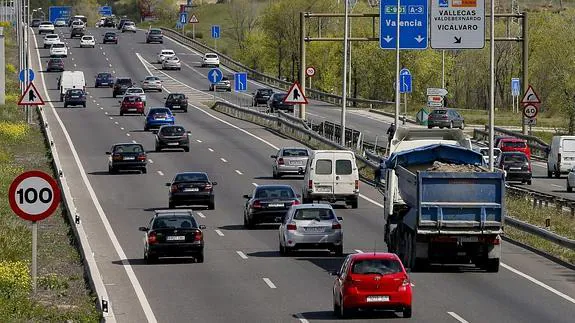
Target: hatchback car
164, 53
191, 188
121, 23
224, 84
276, 102
177, 101
132, 104
51, 39
173, 233
172, 137
261, 96
110, 37
58, 50
158, 117
60, 22
152, 83
372, 281
137, 91
55, 65
35, 22
289, 161
311, 226
514, 144
108, 23
268, 204
87, 41
45, 27
516, 166
129, 26
74, 97
172, 63
121, 85
104, 79
77, 32
127, 156
445, 118
210, 59
154, 35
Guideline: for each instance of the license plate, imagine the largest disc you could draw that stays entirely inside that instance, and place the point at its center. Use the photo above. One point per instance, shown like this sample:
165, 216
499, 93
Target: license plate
314, 229
276, 205
176, 238
75, 97
515, 168
175, 107
371, 299
191, 189
104, 83
129, 158
468, 239
173, 143
296, 162
160, 118
133, 109
323, 189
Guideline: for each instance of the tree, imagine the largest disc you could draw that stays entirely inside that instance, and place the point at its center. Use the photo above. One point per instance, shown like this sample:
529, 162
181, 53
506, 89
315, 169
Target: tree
244, 18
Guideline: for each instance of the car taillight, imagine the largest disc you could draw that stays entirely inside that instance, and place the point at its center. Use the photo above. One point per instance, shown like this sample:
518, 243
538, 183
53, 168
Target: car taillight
152, 238
256, 205
296, 202
199, 235
141, 157
174, 188
281, 161
291, 227
357, 184
528, 166
208, 187
404, 284
310, 184
116, 157
336, 226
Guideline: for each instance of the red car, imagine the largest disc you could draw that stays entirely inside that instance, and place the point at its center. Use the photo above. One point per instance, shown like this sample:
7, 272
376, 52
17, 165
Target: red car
372, 281
514, 144
132, 104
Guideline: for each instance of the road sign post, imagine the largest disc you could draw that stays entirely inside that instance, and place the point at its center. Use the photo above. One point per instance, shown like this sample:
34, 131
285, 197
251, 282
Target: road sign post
413, 24
515, 89
215, 35
31, 75
193, 21
404, 87
34, 196
451, 26
241, 82
531, 104
310, 72
215, 75
183, 20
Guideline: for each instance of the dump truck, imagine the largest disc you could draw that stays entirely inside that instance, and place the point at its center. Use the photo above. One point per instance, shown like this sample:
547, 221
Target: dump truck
442, 205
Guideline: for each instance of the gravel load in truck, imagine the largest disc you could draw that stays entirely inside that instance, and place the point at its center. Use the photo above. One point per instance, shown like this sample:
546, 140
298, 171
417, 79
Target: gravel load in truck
445, 167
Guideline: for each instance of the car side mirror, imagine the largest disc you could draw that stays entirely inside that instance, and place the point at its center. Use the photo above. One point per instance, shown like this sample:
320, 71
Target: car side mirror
247, 196
273, 156
168, 184
334, 273
143, 229
202, 227
298, 195
339, 218
189, 132
214, 183
108, 153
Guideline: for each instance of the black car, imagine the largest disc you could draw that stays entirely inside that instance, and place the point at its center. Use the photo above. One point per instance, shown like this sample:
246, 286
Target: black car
177, 101
121, 85
110, 37
121, 23
35, 22
276, 102
154, 35
516, 165
104, 79
109, 23
172, 137
77, 32
448, 118
74, 97
55, 65
261, 96
191, 188
127, 156
268, 203
173, 233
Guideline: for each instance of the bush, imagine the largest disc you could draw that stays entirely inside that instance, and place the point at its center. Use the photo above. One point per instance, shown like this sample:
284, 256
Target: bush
15, 281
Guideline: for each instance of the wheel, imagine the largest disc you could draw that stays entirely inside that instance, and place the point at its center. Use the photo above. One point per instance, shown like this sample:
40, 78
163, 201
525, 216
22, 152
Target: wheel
247, 223
429, 127
171, 205
407, 312
274, 174
343, 312
150, 259
549, 173
529, 182
185, 110
112, 170
462, 125
569, 188
187, 149
158, 149
121, 113
282, 250
146, 128
338, 250
84, 105
144, 170
65, 105
212, 205
354, 203
335, 308
450, 125
200, 258
113, 95
557, 174
492, 265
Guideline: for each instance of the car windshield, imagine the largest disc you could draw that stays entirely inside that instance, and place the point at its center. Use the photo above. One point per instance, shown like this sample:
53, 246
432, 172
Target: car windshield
128, 148
279, 97
128, 23
274, 192
159, 111
175, 222
211, 56
58, 46
87, 38
514, 144
135, 91
152, 78
56, 61
311, 214
124, 81
265, 91
110, 34
104, 75
52, 36
441, 112
376, 266
176, 97
514, 159
173, 58
172, 131
295, 152
155, 31
133, 98
75, 92
191, 177
167, 52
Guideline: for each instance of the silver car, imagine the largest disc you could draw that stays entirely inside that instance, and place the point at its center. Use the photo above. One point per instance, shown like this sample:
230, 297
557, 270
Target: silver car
136, 91
311, 226
172, 63
290, 161
152, 83
129, 26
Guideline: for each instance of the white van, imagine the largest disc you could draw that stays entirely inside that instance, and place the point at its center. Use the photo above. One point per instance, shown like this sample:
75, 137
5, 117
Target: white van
561, 157
71, 80
331, 175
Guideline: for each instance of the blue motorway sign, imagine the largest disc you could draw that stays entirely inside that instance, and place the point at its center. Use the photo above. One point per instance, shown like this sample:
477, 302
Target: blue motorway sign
22, 75
215, 75
105, 11
215, 31
183, 18
404, 80
240, 82
412, 21
56, 12
515, 87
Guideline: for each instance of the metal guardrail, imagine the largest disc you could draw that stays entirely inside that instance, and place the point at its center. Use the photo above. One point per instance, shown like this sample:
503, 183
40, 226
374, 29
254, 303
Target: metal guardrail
267, 79
540, 232
543, 199
538, 147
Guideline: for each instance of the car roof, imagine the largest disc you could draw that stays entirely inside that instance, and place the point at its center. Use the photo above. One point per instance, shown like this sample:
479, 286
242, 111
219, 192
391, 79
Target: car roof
127, 143
284, 148
135, 88
373, 255
169, 213
513, 139
191, 173
313, 206
275, 186
511, 153
123, 78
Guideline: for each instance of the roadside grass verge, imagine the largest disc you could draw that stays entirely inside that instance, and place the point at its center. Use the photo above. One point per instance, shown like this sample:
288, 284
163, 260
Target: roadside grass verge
561, 223
62, 292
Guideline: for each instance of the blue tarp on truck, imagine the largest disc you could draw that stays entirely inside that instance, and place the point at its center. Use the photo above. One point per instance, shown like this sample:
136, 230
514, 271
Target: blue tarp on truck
439, 152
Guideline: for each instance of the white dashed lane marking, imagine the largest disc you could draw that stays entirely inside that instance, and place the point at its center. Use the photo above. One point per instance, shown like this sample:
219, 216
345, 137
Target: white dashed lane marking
269, 283
201, 215
242, 255
239, 173
358, 251
220, 233
160, 173
255, 184
128, 135
210, 149
198, 140
151, 161
457, 317
224, 160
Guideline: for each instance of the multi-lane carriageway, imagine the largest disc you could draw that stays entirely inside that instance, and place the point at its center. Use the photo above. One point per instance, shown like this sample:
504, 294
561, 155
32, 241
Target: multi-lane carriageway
244, 279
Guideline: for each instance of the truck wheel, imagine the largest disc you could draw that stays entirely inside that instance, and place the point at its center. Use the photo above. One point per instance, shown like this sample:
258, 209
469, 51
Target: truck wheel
557, 174
492, 265
338, 251
354, 203
549, 173
569, 188
200, 258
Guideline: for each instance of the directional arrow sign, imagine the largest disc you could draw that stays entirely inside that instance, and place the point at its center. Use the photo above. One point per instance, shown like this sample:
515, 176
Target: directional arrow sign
436, 91
405, 81
215, 75
457, 24
412, 21
530, 96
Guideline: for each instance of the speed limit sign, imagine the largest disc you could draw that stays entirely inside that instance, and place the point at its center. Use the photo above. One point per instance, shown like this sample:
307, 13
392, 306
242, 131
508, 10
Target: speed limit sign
34, 195
530, 111
310, 71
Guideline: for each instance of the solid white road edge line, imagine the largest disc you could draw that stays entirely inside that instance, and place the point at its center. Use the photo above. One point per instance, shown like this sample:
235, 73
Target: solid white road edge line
242, 255
457, 317
220, 233
300, 317
269, 282
361, 195
121, 254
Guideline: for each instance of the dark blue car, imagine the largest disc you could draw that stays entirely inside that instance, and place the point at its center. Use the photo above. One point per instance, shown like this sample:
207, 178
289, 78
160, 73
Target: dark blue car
158, 117
104, 79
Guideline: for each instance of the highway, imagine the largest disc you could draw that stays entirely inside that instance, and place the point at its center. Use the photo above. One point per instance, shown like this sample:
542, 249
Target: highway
244, 279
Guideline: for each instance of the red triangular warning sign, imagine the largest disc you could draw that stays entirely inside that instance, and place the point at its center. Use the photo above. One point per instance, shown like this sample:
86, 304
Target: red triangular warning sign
194, 19
295, 95
530, 96
31, 96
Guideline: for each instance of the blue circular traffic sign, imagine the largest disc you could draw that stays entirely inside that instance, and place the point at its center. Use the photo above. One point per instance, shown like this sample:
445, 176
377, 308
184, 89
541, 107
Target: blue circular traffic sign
22, 75
215, 75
